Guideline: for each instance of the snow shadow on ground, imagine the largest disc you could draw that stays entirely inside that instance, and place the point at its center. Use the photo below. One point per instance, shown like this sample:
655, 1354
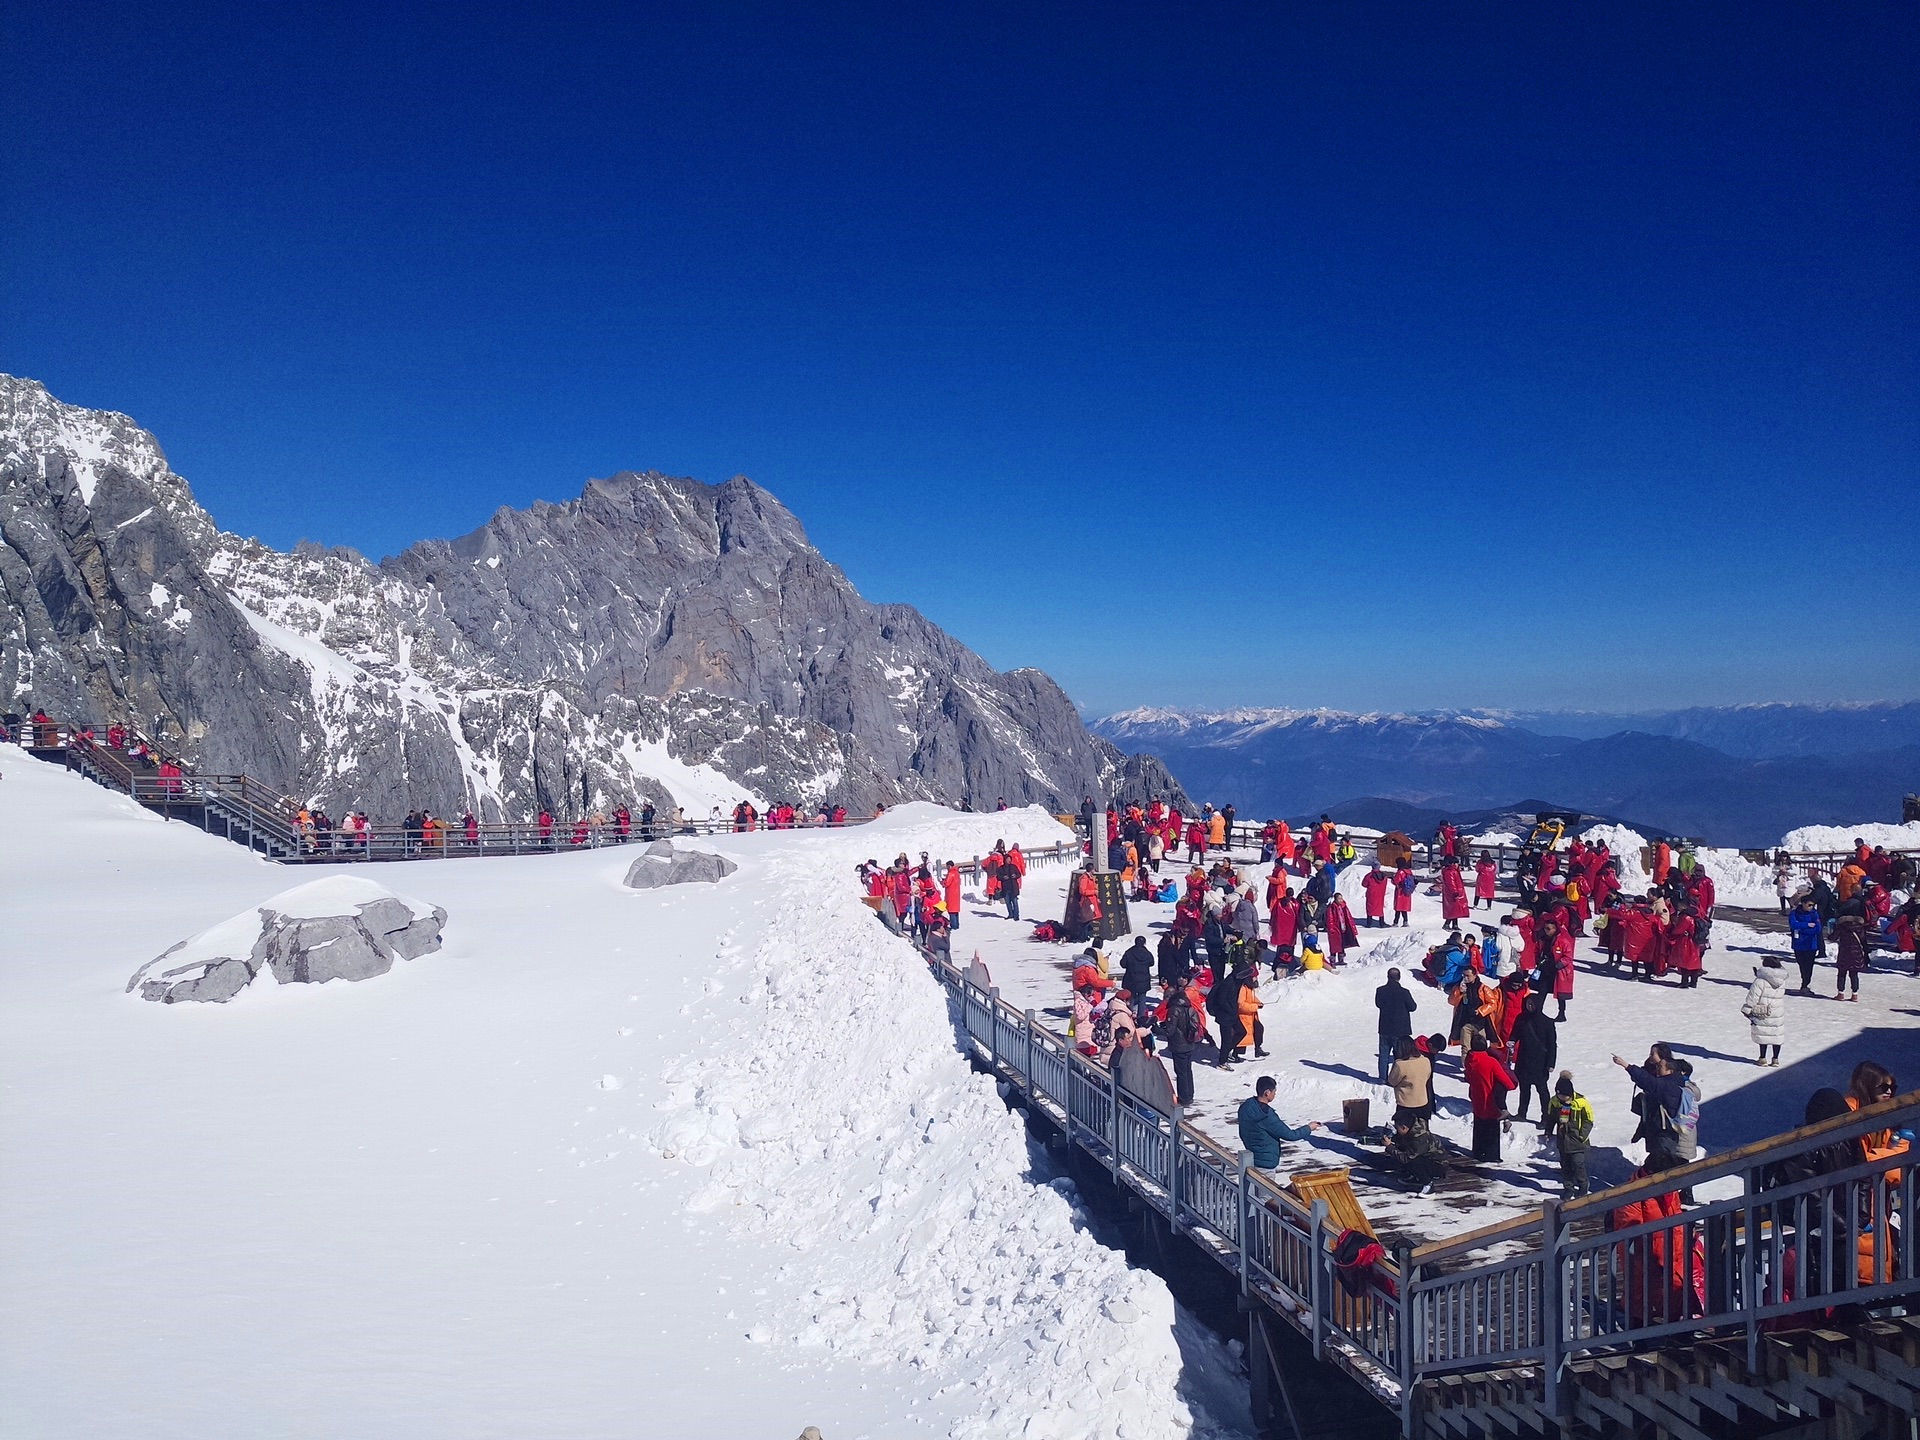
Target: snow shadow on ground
1775, 1099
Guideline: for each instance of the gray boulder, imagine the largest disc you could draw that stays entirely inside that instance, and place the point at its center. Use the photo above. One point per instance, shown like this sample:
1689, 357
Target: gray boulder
339, 928
660, 865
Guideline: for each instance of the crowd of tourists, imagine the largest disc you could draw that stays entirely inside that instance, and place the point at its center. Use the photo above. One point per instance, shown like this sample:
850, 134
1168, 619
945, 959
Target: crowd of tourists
1193, 996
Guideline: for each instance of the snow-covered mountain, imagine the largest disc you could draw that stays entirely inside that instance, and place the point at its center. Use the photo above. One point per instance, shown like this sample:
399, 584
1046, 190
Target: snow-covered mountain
656, 637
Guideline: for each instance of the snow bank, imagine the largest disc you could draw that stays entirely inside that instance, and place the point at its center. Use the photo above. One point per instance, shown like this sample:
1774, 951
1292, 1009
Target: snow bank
1834, 838
1736, 881
845, 1110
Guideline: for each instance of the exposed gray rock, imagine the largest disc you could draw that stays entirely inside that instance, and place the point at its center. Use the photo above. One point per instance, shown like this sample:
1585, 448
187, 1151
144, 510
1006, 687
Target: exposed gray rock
292, 936
534, 663
660, 865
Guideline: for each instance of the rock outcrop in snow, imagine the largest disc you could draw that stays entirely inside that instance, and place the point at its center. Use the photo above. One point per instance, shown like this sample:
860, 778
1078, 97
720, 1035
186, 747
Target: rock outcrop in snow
661, 865
339, 928
656, 638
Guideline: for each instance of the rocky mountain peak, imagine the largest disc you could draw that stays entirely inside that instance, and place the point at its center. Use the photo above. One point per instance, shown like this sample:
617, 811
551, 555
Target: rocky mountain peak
657, 637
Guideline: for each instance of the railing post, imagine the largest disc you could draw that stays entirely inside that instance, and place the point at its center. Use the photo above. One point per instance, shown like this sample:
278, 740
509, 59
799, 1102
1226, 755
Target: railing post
1113, 1119
993, 1025
1240, 1218
1550, 1301
1317, 1270
1173, 1169
1750, 1268
1405, 1370
1032, 1085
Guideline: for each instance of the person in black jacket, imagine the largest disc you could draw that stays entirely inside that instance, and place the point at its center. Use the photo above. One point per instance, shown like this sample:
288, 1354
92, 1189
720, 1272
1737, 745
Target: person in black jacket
1173, 963
1396, 1007
1010, 890
1136, 969
1660, 1089
1536, 1049
1184, 1030
1223, 1003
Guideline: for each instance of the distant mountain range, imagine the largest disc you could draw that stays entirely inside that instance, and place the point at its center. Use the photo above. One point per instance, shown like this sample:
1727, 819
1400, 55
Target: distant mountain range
1741, 775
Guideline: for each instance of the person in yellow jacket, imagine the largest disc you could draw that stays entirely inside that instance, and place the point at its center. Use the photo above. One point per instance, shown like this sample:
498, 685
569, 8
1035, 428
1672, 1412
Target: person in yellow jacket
1312, 957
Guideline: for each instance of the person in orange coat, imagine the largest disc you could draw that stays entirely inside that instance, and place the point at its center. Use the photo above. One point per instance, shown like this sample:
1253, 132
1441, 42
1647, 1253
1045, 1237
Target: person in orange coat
1252, 1032
1852, 876
1655, 1264
1662, 861
1871, 1083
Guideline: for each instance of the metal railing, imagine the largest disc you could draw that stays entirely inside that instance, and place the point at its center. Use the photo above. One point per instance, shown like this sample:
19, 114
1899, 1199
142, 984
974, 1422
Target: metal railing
1795, 1242
1532, 1293
1280, 1247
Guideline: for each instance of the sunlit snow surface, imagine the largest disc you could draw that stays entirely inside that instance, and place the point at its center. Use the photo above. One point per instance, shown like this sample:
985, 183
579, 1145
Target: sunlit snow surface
695, 1162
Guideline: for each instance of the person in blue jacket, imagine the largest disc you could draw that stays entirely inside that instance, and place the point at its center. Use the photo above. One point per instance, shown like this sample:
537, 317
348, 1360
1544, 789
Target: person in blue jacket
1803, 923
1455, 961
1261, 1131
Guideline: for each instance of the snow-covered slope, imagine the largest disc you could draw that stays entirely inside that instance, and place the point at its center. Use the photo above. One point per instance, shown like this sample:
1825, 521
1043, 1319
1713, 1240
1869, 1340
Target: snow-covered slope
437, 1205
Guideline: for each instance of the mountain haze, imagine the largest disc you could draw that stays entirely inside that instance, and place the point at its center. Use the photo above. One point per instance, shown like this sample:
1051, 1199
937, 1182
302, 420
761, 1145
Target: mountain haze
1287, 762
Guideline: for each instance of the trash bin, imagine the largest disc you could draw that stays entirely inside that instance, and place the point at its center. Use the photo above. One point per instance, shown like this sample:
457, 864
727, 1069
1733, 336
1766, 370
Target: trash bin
1357, 1113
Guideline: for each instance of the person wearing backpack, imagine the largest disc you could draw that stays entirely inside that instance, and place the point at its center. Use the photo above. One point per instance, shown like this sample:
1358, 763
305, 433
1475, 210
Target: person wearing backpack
1570, 1122
1660, 1089
1186, 1031
1403, 887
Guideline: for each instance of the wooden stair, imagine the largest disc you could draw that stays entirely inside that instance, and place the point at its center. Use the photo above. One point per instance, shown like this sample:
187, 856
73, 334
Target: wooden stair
1836, 1382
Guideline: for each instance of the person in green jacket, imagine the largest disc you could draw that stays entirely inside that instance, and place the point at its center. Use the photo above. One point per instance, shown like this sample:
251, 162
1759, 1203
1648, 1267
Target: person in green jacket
1261, 1131
1570, 1123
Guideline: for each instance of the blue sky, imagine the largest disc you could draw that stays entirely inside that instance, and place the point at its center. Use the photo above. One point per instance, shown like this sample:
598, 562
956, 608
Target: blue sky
1369, 356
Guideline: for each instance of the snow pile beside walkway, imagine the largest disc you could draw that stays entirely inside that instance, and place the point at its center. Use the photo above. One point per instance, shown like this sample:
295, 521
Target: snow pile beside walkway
841, 1128
1736, 880
1819, 839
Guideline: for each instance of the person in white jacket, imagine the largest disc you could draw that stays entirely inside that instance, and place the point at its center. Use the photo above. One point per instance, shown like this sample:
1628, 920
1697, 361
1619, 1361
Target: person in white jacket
1785, 884
1766, 1008
1511, 943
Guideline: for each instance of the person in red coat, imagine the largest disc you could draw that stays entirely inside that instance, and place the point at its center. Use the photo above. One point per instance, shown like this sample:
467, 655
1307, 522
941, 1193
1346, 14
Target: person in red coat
1196, 842
1285, 916
1700, 887
1485, 877
1488, 1082
1560, 944
1682, 951
1403, 887
1453, 895
1341, 934
1374, 885
951, 884
1604, 885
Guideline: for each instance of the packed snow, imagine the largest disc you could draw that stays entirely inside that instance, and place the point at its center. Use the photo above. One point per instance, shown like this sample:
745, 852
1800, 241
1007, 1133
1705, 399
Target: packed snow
1837, 839
697, 1161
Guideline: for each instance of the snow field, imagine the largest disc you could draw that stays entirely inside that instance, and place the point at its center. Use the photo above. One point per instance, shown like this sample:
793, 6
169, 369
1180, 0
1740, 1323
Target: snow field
433, 1204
